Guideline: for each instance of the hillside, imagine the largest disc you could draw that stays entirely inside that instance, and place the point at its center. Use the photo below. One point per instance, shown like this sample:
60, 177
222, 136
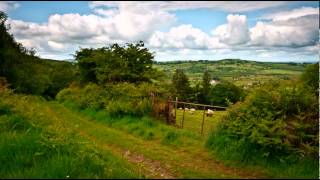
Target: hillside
240, 72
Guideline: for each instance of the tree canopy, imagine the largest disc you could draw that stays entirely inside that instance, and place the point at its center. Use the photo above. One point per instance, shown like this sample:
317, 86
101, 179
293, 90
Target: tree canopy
130, 63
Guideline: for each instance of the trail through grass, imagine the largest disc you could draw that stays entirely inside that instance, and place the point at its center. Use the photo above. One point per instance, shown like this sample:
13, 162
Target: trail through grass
125, 146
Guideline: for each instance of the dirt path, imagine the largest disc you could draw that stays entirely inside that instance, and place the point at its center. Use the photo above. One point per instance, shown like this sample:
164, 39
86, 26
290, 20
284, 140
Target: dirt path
148, 167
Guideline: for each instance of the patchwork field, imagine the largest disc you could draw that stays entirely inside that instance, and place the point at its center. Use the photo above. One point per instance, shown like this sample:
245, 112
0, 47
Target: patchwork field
240, 72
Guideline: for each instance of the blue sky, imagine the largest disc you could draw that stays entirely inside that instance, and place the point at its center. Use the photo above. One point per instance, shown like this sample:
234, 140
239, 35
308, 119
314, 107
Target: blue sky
263, 31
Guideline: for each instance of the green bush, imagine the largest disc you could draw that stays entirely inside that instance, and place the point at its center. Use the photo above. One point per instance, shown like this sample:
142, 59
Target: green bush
277, 124
225, 93
90, 96
117, 99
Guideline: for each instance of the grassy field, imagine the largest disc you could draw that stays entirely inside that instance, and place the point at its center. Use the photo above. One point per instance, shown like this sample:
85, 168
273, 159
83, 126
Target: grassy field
240, 72
47, 139
193, 121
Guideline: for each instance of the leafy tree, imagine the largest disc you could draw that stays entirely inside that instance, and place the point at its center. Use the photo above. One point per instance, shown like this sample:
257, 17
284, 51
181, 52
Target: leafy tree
225, 93
27, 73
130, 63
181, 85
205, 87
310, 77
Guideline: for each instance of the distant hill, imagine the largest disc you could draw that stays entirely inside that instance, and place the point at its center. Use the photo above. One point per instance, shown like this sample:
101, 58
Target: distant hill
241, 72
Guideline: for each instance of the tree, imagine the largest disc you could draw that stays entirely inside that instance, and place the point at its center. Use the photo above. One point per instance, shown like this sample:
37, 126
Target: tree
181, 85
224, 93
25, 72
130, 63
205, 87
310, 77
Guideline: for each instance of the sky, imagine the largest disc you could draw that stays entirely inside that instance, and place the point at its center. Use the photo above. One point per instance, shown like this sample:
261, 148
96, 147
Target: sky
270, 31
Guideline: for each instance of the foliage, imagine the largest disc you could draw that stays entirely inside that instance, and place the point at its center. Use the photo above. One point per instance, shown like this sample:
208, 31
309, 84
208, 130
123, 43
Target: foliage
206, 86
310, 77
117, 99
225, 93
238, 72
132, 63
27, 73
276, 124
181, 86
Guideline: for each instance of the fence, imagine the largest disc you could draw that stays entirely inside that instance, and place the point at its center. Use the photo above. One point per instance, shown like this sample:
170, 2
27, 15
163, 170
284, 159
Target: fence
202, 107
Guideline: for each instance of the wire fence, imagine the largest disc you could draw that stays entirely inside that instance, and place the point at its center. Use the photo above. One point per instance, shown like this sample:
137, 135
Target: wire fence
196, 117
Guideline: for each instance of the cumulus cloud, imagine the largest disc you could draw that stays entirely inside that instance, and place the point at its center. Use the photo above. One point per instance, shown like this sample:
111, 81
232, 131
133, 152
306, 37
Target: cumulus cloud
184, 37
7, 6
120, 22
294, 32
123, 24
235, 31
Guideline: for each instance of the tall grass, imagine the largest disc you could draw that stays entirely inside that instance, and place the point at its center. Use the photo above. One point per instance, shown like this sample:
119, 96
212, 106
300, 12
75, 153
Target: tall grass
238, 153
32, 147
145, 127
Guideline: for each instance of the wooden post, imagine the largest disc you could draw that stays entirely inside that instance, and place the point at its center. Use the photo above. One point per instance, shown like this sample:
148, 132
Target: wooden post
184, 109
176, 107
204, 111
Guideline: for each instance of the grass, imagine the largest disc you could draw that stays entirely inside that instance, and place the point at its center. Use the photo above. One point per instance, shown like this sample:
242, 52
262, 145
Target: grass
239, 154
41, 139
36, 145
193, 122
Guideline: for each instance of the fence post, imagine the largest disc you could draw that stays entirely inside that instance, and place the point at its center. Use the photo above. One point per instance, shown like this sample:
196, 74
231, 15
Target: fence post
204, 110
184, 109
176, 107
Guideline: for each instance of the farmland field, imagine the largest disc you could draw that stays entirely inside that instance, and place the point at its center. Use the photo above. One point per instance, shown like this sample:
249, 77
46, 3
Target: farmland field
240, 72
193, 121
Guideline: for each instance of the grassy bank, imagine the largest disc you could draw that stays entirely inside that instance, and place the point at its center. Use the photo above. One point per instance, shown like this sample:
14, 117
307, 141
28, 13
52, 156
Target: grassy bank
239, 154
35, 144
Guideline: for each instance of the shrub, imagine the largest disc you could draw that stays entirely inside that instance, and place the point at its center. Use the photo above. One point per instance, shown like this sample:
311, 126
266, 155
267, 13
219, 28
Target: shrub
225, 93
117, 99
279, 120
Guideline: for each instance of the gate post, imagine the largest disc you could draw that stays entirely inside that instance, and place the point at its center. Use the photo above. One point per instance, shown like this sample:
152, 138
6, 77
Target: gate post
175, 111
204, 111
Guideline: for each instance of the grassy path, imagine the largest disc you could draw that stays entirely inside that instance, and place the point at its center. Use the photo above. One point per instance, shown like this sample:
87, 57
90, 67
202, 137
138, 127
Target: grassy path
155, 159
148, 158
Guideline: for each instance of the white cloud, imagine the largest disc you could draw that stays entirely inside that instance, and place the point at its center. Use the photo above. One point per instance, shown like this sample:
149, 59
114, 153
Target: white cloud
106, 13
7, 6
229, 6
235, 31
55, 45
125, 24
135, 21
184, 37
295, 13
122, 22
294, 32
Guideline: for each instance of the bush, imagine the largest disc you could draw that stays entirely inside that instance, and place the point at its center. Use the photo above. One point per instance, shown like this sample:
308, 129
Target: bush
280, 119
117, 99
276, 125
90, 96
225, 93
